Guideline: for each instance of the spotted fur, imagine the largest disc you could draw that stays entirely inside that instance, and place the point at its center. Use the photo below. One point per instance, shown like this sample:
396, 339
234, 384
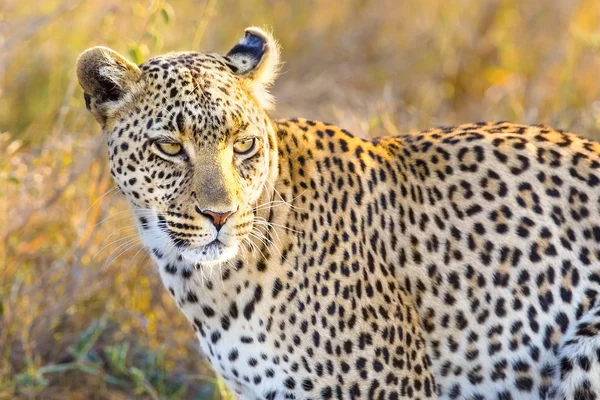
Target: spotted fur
462, 262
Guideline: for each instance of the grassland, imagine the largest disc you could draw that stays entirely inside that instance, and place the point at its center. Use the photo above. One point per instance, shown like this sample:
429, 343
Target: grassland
82, 311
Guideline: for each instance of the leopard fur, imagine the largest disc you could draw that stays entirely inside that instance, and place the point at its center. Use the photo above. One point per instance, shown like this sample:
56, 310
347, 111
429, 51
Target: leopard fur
461, 263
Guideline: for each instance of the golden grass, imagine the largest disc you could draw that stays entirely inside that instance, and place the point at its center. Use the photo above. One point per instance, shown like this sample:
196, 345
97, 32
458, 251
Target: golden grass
82, 311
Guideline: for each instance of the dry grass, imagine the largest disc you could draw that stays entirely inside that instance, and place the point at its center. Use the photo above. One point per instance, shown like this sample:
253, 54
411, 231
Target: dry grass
82, 311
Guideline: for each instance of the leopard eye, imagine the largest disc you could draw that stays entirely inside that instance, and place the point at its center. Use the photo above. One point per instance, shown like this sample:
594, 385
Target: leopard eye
170, 149
244, 146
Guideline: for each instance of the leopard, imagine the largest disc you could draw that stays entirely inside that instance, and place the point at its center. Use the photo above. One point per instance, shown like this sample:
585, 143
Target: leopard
460, 262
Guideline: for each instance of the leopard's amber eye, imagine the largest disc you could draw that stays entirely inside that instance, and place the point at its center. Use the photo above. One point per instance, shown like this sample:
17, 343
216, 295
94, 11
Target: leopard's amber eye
244, 146
170, 149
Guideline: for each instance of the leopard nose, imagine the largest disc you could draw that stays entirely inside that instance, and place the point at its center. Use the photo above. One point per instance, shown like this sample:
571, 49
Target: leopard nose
218, 218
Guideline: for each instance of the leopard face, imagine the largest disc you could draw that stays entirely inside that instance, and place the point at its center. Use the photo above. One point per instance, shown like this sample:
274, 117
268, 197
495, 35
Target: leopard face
189, 141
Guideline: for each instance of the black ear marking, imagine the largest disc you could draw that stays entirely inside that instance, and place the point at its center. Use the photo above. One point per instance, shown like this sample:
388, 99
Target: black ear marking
233, 68
247, 54
88, 101
255, 60
251, 45
110, 91
105, 90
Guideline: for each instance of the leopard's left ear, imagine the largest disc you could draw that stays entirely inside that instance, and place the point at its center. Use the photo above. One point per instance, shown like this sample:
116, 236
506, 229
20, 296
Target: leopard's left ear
255, 59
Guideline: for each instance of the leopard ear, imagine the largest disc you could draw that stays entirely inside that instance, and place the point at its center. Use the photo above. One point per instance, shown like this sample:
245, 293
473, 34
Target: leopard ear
255, 59
108, 80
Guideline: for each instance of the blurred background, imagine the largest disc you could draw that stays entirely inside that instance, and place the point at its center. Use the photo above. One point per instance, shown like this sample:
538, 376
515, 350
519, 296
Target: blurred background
83, 314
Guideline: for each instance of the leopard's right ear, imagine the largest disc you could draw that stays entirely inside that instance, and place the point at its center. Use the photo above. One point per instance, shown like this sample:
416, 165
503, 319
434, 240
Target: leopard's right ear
108, 80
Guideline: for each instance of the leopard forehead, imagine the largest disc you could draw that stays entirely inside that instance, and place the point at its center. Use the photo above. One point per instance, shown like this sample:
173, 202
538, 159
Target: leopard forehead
197, 89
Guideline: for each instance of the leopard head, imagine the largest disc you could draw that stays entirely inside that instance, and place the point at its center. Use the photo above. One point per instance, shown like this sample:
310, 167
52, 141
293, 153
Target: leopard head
189, 141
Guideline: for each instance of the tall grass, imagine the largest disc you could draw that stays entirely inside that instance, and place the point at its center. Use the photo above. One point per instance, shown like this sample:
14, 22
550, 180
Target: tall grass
82, 311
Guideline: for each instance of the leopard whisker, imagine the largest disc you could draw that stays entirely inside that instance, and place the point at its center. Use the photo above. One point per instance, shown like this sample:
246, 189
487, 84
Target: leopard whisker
115, 241
124, 248
110, 192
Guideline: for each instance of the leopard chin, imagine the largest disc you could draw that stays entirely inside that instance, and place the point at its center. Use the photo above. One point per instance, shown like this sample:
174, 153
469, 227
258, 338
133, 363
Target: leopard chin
212, 253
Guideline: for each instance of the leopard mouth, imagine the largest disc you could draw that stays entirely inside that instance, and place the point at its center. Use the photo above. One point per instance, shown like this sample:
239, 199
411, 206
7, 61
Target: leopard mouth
216, 251
215, 244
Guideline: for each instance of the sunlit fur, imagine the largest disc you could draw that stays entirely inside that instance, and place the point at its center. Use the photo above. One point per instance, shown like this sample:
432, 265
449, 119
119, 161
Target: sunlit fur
462, 262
